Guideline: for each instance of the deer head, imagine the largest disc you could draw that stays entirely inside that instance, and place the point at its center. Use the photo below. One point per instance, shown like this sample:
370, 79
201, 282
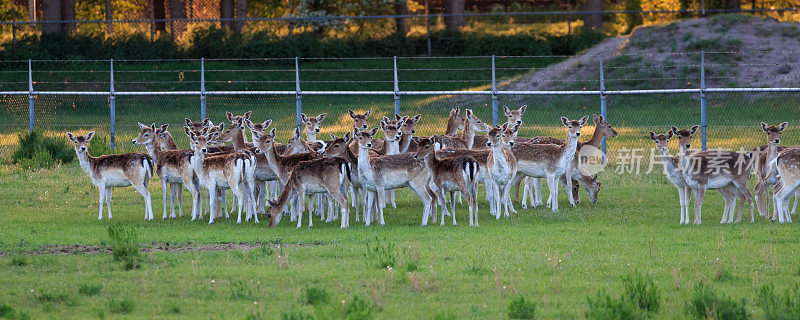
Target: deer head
360, 120
515, 116
391, 129
337, 147
574, 126
80, 142
603, 128
146, 135
685, 136
661, 140
774, 132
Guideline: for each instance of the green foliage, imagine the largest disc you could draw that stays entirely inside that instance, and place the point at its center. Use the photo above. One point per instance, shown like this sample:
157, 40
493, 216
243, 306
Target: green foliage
37, 151
215, 42
779, 306
521, 308
240, 290
124, 305
606, 307
124, 246
642, 291
90, 289
381, 254
8, 312
444, 316
359, 309
51, 296
315, 296
706, 304
633, 19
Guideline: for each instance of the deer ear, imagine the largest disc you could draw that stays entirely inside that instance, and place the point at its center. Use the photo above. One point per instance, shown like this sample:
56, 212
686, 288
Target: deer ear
143, 126
674, 129
164, 127
248, 114
221, 126
764, 126
206, 122
506, 111
565, 121
417, 117
333, 137
397, 116
229, 116
595, 119
782, 126
153, 126
670, 134
272, 132
248, 123
522, 109
469, 113
374, 131
385, 119
694, 128
652, 136
383, 124
347, 137
303, 117
416, 139
352, 114
296, 132
366, 115
266, 123
89, 135
188, 121
321, 117
602, 118
71, 136
188, 132
584, 119
203, 131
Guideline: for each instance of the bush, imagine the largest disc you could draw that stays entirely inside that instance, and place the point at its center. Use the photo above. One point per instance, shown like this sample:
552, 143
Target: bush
642, 291
37, 151
359, 309
521, 308
124, 305
382, 254
779, 307
241, 291
705, 304
315, 296
90, 289
124, 246
640, 297
604, 306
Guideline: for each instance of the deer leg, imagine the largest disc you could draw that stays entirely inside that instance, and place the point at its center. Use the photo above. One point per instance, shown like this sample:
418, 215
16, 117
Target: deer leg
391, 198
516, 193
681, 199
441, 195
552, 184
381, 205
102, 190
108, 201
570, 195
212, 203
164, 190
174, 194
146, 194
195, 199
726, 197
699, 194
525, 191
179, 186
536, 184
796, 194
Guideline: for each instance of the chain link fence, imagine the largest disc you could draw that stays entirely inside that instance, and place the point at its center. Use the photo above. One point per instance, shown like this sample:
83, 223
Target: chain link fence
58, 96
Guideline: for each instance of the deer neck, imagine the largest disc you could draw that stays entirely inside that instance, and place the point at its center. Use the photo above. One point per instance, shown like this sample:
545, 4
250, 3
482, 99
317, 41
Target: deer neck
86, 161
682, 157
238, 140
569, 147
597, 138
168, 143
498, 152
153, 149
272, 156
669, 164
363, 160
468, 135
772, 151
452, 127
391, 146
405, 141
311, 136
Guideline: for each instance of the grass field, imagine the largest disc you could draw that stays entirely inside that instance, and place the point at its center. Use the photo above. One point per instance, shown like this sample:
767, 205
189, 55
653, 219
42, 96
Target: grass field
559, 261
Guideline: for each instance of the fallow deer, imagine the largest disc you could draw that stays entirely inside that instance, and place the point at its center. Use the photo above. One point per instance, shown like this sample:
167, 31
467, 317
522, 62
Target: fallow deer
322, 175
514, 116
501, 165
312, 125
381, 173
787, 165
455, 122
408, 128
196, 126
551, 161
225, 171
764, 157
391, 145
449, 174
467, 139
339, 147
115, 171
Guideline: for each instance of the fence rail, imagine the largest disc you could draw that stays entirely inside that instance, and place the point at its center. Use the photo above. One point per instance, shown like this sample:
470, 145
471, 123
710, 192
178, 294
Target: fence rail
393, 93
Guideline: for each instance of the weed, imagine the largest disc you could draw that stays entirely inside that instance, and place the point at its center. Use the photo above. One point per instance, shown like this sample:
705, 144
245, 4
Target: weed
241, 291
705, 304
777, 306
18, 258
444, 316
173, 306
289, 315
124, 305
90, 289
521, 308
6, 311
359, 309
124, 246
51, 297
315, 296
382, 254
604, 306
642, 291
37, 151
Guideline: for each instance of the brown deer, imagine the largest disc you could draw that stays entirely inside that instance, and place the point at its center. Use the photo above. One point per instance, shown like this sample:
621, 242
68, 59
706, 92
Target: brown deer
458, 173
339, 147
515, 116
312, 125
196, 126
765, 155
501, 165
115, 171
787, 165
455, 122
224, 171
408, 128
391, 145
322, 175
551, 161
381, 173
467, 139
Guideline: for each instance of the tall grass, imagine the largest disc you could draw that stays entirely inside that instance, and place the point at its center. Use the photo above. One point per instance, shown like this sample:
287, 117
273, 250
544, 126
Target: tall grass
125, 246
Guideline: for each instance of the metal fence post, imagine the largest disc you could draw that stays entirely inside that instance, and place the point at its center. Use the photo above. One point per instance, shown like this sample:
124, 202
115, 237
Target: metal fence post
494, 95
30, 97
202, 88
396, 89
603, 101
298, 96
113, 106
703, 116
13, 36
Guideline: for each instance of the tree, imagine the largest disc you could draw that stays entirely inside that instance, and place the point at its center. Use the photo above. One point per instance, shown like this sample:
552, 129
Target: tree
177, 10
241, 13
159, 13
453, 23
401, 24
68, 13
226, 11
51, 11
593, 21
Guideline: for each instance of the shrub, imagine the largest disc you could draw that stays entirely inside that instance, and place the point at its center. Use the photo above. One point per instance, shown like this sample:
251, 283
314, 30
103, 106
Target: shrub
521, 308
359, 309
90, 289
124, 246
315, 296
6, 311
604, 306
779, 307
51, 297
705, 304
382, 254
642, 291
444, 316
241, 291
124, 305
37, 151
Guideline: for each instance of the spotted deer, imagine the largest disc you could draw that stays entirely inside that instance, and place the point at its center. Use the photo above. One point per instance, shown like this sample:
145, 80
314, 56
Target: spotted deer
322, 175
713, 170
455, 122
381, 173
501, 165
408, 128
449, 174
467, 139
224, 171
196, 126
312, 125
764, 157
514, 116
115, 171
391, 144
787, 165
339, 147
551, 161
172, 167
360, 120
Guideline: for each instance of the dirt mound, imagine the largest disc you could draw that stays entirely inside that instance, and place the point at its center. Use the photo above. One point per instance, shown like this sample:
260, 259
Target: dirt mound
740, 51
151, 247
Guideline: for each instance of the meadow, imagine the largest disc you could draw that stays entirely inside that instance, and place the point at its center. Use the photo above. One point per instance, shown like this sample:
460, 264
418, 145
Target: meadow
570, 264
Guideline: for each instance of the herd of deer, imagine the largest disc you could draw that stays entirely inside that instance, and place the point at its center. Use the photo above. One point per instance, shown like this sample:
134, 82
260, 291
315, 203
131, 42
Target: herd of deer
369, 169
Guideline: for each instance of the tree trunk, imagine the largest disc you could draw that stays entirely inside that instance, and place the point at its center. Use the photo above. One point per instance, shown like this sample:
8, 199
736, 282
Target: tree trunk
177, 10
51, 11
68, 13
241, 13
453, 23
226, 12
109, 17
401, 24
593, 21
159, 13
733, 4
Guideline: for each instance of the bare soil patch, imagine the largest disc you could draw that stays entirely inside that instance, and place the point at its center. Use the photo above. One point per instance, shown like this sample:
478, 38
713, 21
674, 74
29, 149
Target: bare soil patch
75, 249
